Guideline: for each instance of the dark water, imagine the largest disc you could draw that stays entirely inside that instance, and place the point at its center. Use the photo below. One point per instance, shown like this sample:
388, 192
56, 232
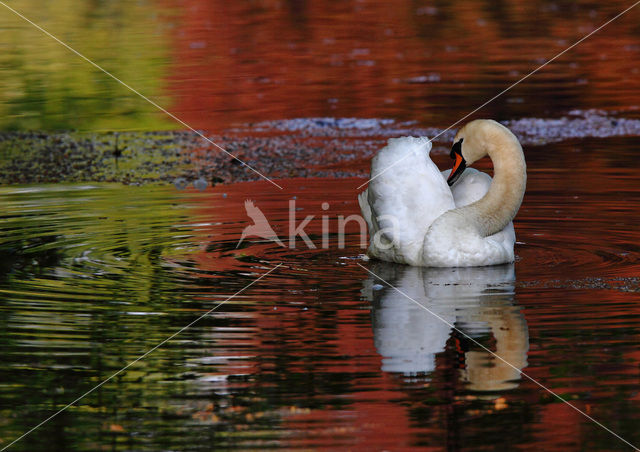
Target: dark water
218, 63
319, 354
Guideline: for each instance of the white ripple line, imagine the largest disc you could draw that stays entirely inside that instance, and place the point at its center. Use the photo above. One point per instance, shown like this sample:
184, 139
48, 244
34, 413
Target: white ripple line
139, 94
508, 88
500, 358
140, 357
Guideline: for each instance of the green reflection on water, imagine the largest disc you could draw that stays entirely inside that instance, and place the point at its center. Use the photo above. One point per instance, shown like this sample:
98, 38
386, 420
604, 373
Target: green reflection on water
85, 285
47, 87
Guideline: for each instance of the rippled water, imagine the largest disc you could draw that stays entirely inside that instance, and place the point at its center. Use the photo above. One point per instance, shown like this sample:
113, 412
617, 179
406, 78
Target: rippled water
217, 63
319, 354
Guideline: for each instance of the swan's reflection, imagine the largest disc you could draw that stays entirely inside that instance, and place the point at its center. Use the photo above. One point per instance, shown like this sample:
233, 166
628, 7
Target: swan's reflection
478, 301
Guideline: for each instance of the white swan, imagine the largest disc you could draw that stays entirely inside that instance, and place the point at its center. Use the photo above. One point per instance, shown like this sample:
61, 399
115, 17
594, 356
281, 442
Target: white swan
415, 218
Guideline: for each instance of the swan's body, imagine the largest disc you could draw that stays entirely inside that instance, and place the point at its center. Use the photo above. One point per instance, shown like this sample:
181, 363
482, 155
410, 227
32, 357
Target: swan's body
415, 218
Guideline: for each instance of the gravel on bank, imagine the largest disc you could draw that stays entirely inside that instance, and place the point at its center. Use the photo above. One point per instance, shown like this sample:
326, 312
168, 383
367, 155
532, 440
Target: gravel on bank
303, 147
157, 157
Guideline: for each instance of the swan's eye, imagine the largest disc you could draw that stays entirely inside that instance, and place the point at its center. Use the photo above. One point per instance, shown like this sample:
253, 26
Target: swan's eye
456, 148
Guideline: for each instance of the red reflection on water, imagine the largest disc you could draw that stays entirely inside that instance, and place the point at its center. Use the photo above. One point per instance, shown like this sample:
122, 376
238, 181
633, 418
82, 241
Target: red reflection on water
334, 340
251, 61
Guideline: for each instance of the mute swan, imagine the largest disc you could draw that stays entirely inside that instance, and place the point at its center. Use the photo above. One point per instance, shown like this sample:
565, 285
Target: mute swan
415, 218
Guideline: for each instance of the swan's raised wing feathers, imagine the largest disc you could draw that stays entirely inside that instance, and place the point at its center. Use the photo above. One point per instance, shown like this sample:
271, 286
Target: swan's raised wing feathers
406, 194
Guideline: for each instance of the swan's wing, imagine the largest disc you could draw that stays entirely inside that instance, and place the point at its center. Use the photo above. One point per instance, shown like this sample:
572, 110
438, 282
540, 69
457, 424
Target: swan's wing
406, 194
470, 187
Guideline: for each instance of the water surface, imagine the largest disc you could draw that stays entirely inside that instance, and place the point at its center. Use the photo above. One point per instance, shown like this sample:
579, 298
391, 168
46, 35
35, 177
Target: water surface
320, 354
215, 63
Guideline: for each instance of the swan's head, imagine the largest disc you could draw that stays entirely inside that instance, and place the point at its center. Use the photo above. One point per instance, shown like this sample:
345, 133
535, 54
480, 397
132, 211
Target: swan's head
470, 145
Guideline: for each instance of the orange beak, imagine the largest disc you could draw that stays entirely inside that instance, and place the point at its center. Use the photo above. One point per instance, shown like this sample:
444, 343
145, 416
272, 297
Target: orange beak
458, 168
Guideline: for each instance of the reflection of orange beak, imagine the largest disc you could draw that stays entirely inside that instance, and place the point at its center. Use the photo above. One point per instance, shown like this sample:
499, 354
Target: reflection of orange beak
458, 167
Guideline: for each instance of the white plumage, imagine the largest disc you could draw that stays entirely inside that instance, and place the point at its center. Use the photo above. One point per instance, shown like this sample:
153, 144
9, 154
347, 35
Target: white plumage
415, 218
402, 202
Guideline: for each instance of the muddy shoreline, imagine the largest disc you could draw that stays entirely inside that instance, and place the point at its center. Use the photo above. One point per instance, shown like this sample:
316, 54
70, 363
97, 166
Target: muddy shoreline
305, 147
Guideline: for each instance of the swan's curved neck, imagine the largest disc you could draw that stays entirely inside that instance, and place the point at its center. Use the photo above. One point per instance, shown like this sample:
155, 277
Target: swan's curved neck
496, 209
